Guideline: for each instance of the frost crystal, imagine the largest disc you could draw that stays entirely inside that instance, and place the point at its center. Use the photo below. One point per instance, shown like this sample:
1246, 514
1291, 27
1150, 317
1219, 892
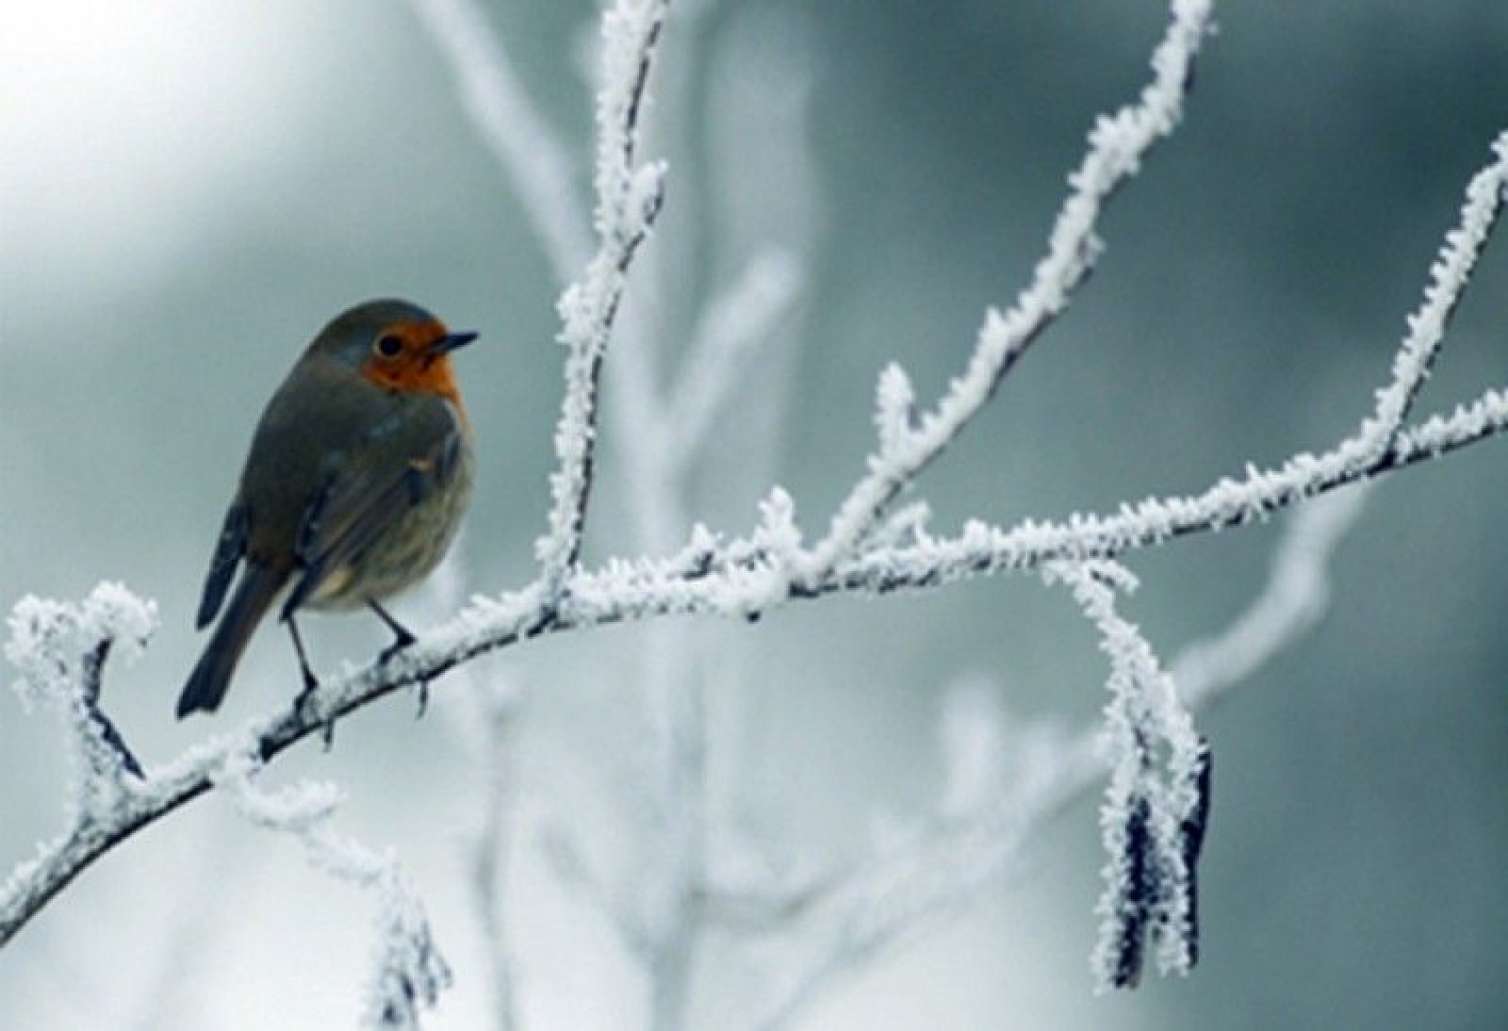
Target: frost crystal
777, 531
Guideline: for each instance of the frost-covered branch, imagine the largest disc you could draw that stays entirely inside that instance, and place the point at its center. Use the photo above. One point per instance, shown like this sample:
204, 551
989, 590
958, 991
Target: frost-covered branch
629, 195
982, 549
1381, 442
60, 650
1116, 146
1153, 820
1448, 277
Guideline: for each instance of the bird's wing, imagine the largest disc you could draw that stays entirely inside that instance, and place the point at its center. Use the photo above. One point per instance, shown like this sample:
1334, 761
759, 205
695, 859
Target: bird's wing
399, 464
222, 567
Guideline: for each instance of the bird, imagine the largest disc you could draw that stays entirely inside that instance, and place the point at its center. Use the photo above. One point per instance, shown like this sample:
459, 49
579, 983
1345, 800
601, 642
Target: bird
359, 472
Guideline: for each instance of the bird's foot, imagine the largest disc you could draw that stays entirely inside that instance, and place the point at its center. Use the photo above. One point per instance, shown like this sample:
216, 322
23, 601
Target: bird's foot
401, 636
304, 703
400, 642
423, 699
304, 706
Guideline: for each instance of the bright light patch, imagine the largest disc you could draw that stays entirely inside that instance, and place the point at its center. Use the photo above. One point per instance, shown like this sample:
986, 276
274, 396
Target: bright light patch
125, 125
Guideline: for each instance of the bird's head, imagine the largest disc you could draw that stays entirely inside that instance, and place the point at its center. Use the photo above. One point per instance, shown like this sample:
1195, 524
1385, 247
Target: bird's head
394, 345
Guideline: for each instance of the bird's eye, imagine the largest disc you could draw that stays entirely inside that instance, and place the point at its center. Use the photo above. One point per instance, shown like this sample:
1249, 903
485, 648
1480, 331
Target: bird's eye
388, 346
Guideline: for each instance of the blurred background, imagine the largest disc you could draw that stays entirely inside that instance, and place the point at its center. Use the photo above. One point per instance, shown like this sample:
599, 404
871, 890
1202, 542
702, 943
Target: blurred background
188, 191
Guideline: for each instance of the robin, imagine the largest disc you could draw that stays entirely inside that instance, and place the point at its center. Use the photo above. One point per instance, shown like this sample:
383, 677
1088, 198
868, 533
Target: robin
358, 475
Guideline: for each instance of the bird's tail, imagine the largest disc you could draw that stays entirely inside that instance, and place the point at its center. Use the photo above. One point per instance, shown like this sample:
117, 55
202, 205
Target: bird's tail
254, 594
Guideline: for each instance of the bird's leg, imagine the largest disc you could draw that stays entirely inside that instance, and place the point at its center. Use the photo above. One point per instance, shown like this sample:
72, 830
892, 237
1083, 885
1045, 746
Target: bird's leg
401, 637
311, 683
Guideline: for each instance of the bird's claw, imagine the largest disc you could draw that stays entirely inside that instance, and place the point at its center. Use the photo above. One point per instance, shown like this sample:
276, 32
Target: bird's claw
304, 706
402, 641
304, 703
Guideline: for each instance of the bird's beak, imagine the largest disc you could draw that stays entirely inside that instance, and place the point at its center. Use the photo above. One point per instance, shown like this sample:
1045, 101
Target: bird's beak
450, 341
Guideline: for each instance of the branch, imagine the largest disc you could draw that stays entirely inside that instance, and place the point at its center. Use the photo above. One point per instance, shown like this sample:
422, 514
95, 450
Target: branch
104, 746
982, 549
60, 651
1116, 147
628, 200
1381, 443
1449, 276
1152, 823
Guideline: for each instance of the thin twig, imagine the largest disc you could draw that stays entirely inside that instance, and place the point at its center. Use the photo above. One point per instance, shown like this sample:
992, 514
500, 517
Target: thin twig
94, 668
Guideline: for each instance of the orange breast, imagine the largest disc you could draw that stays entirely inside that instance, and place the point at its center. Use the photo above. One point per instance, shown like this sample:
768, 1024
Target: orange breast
424, 375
